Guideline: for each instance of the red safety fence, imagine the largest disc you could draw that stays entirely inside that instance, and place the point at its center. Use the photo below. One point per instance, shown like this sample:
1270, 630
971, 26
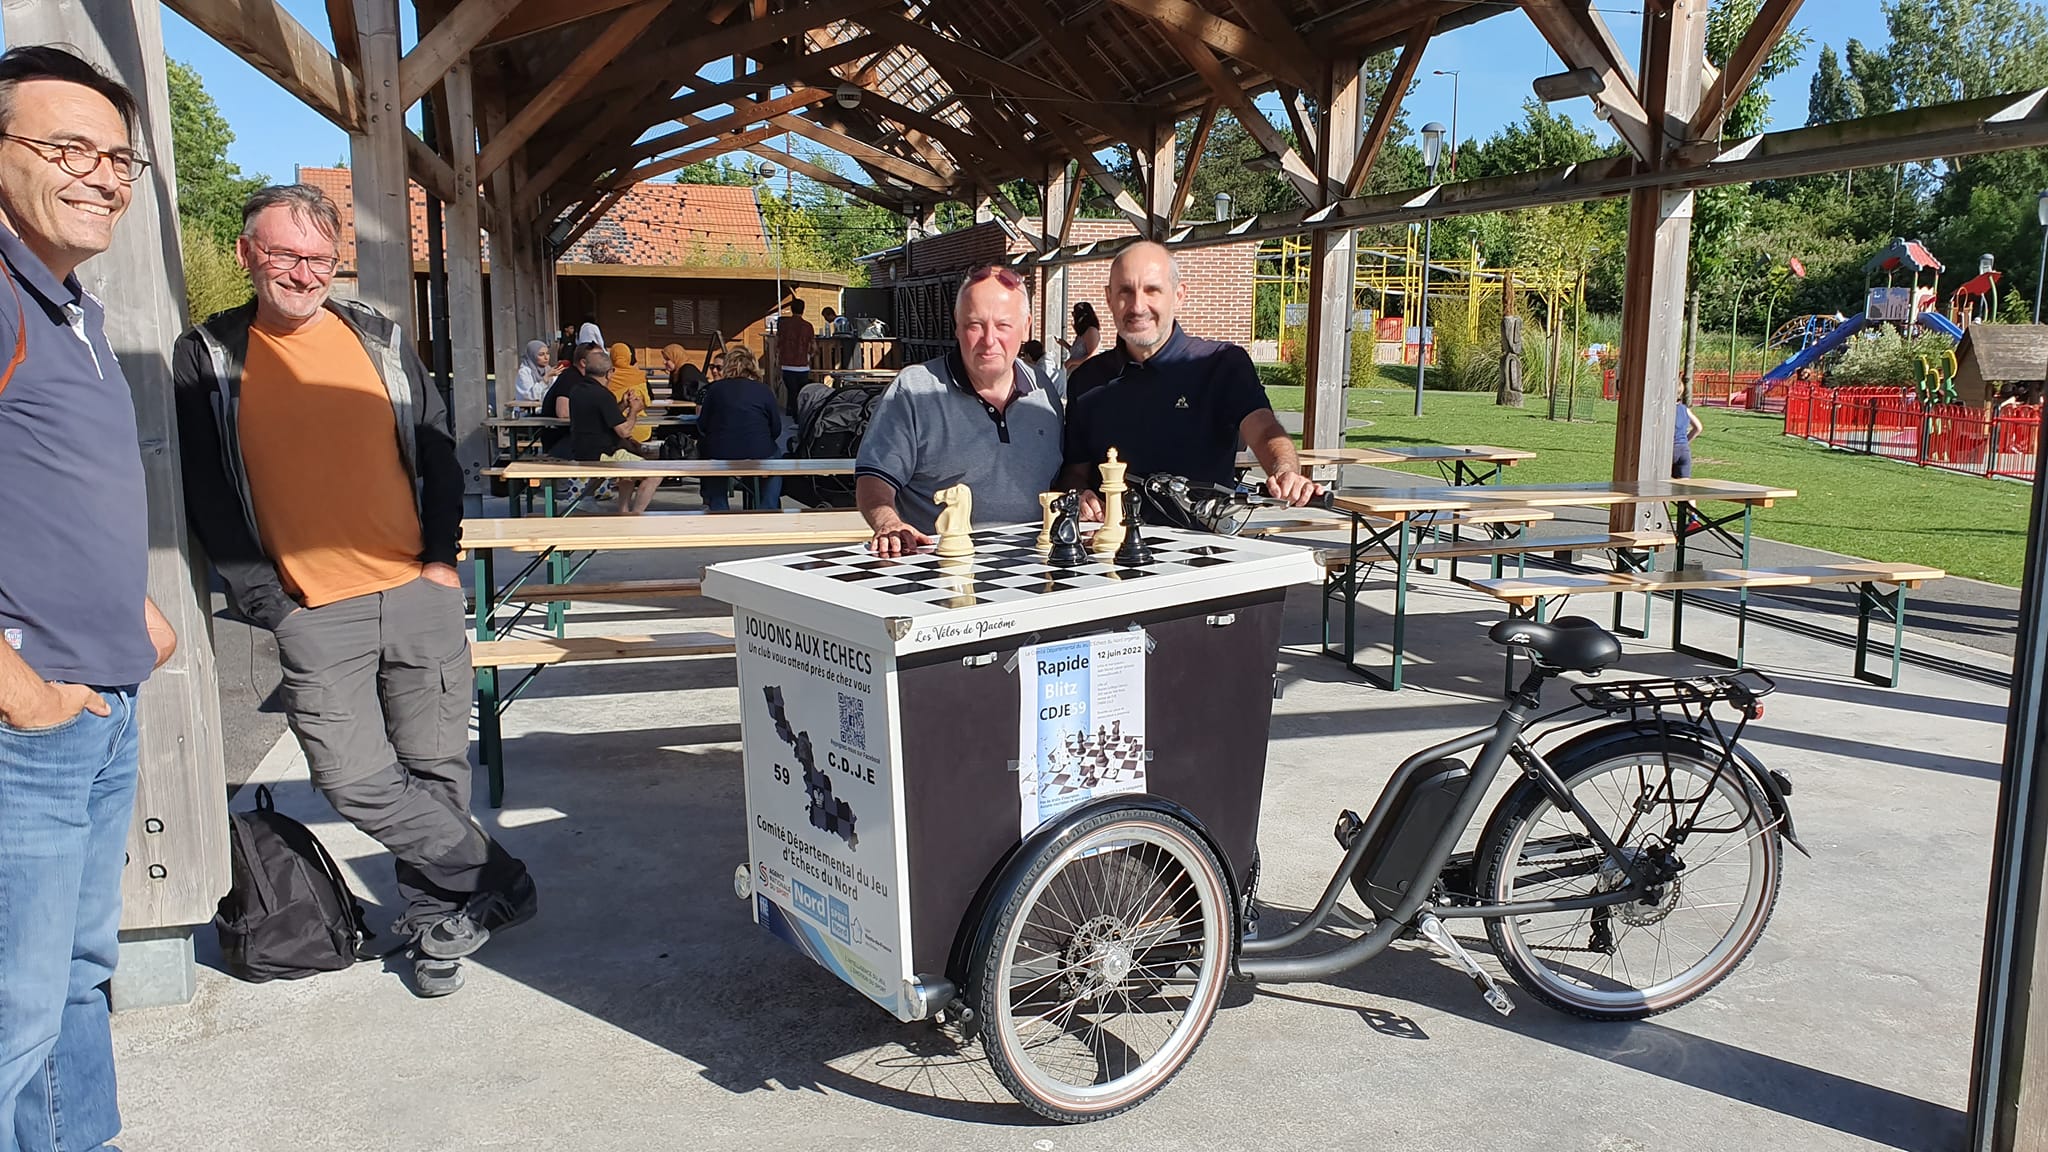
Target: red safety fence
1895, 424
1717, 390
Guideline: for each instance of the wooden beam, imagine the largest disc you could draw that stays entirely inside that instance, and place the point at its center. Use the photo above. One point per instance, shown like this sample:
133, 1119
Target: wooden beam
1066, 42
1126, 204
266, 37
1405, 67
1581, 40
600, 145
591, 218
1186, 187
1231, 39
541, 15
1007, 77
1155, 155
445, 43
667, 164
750, 36
1306, 141
1225, 86
595, 55
744, 114
430, 171
1763, 34
1333, 266
708, 95
880, 198
1270, 23
846, 145
341, 25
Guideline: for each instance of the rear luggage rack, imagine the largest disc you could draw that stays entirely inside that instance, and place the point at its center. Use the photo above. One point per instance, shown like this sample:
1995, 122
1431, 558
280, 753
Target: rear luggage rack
1741, 689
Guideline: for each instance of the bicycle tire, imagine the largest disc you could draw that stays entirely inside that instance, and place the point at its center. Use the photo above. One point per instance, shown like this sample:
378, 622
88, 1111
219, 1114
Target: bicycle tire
1088, 881
1526, 805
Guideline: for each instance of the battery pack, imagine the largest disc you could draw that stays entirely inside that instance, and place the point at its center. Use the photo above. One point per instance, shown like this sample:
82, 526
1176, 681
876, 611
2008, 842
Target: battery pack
1394, 860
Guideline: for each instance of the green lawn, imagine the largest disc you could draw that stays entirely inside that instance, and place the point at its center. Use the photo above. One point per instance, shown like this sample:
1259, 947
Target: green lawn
1858, 505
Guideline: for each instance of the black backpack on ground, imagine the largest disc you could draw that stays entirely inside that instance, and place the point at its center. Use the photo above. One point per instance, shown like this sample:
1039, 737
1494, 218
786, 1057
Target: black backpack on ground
288, 912
833, 431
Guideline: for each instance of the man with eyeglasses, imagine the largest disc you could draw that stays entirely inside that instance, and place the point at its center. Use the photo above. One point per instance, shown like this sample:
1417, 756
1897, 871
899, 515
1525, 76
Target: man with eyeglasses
974, 416
78, 633
321, 476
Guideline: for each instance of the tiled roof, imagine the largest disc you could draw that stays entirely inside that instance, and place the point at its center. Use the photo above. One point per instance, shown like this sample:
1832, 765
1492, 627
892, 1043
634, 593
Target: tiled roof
654, 224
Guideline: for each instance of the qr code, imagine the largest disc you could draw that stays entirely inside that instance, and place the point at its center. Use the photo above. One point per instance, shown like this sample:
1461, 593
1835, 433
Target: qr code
853, 722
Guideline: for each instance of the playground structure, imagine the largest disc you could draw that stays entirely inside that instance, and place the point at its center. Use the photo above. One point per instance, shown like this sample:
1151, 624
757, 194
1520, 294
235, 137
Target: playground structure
1387, 296
1911, 304
1897, 425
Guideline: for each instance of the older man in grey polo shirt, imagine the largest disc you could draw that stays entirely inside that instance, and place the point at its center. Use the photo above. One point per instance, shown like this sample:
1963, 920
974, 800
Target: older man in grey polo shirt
974, 416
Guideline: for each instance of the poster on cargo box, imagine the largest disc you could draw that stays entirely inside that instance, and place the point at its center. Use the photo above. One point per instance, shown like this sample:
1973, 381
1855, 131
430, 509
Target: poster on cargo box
1081, 723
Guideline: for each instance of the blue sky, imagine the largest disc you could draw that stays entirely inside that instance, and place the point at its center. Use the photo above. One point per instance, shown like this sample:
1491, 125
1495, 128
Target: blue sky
1497, 59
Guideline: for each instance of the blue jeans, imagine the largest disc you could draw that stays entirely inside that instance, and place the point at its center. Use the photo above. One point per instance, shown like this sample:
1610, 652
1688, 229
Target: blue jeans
66, 794
763, 491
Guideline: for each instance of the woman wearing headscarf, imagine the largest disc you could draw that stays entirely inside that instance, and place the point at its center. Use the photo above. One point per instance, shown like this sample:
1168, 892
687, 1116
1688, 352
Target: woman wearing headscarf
535, 371
685, 380
629, 388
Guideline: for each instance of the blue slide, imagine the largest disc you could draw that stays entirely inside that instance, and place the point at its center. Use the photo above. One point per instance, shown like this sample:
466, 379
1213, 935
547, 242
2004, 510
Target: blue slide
1843, 331
1816, 350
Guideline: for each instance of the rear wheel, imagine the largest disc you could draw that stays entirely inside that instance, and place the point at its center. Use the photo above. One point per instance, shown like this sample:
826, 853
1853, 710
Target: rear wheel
1106, 964
1664, 806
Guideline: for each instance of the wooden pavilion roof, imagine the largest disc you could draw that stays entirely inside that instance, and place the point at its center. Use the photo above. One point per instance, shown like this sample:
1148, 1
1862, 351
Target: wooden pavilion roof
958, 96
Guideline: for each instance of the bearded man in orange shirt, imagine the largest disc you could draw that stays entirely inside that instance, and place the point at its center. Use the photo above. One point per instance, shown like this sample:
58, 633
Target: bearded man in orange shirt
320, 473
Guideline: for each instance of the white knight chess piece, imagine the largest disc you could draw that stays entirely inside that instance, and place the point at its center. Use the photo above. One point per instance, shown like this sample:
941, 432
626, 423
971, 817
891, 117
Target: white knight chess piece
956, 517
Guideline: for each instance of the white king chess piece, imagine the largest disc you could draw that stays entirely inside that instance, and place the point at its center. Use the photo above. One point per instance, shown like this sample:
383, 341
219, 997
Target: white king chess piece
1110, 536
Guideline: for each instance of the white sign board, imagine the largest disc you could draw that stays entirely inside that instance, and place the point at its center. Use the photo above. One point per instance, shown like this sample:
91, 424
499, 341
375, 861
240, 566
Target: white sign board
1893, 304
1081, 723
828, 865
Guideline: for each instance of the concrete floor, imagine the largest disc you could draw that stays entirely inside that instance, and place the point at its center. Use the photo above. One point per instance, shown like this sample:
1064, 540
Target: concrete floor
644, 1010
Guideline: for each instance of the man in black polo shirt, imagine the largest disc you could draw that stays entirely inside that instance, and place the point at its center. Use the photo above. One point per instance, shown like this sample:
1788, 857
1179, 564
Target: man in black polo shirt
1167, 401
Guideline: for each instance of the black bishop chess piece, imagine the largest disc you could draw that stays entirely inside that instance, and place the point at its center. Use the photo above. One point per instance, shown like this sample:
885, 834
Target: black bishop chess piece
1134, 552
1066, 533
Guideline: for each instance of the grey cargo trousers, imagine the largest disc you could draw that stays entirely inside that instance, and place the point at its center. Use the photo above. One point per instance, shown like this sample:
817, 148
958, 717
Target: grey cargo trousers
377, 689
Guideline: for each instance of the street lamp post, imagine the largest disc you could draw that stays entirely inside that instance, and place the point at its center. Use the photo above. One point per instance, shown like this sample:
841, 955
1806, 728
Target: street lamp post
1432, 148
1453, 73
2041, 212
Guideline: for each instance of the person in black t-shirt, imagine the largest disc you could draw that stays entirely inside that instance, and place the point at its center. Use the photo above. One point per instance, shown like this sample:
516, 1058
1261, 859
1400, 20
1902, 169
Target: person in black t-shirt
555, 441
1167, 401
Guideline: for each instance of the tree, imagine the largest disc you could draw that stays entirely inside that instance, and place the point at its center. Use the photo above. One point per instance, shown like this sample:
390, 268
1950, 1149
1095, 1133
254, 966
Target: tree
718, 170
211, 188
1830, 98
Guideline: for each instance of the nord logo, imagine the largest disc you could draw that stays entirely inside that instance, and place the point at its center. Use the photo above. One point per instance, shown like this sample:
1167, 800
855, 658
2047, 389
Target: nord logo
810, 901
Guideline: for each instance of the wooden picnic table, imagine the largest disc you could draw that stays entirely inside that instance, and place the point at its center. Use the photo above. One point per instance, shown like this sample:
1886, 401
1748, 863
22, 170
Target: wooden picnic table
514, 426
521, 473
1386, 524
1461, 463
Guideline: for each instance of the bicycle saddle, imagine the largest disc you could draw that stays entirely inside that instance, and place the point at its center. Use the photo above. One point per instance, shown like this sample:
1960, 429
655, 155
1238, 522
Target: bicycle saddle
1568, 644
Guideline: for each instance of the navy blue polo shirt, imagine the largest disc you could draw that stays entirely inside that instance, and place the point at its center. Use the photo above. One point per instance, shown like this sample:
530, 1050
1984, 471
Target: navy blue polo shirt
1176, 412
74, 524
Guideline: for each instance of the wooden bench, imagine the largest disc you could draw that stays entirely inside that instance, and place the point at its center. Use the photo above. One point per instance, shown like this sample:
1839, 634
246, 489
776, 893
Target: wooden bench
1334, 559
1531, 595
488, 656
1434, 522
618, 590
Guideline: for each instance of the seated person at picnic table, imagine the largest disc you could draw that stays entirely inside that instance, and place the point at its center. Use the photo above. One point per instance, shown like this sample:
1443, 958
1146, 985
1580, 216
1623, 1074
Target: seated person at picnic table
536, 371
598, 430
1167, 401
685, 380
629, 387
554, 441
974, 416
738, 419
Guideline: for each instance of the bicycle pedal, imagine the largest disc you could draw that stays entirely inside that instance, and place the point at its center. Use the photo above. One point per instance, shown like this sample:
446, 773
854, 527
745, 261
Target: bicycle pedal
1349, 824
1434, 931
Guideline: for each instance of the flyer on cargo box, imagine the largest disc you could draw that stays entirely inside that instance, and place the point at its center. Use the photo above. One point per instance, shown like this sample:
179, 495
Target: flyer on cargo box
821, 831
1081, 723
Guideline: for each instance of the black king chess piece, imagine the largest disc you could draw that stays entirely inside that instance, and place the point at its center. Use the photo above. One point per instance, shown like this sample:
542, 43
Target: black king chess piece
1066, 533
1134, 551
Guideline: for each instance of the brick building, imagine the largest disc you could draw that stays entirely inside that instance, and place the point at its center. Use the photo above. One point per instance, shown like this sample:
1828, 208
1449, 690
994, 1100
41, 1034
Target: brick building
670, 263
926, 272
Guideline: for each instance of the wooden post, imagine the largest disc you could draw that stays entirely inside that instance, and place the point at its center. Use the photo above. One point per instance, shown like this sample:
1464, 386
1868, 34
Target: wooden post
509, 332
1333, 268
377, 172
465, 259
177, 846
1060, 192
1161, 180
1659, 229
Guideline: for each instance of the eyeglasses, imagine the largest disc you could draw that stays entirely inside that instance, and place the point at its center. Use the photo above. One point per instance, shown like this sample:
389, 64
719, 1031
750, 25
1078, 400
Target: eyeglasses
1000, 275
279, 261
82, 159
